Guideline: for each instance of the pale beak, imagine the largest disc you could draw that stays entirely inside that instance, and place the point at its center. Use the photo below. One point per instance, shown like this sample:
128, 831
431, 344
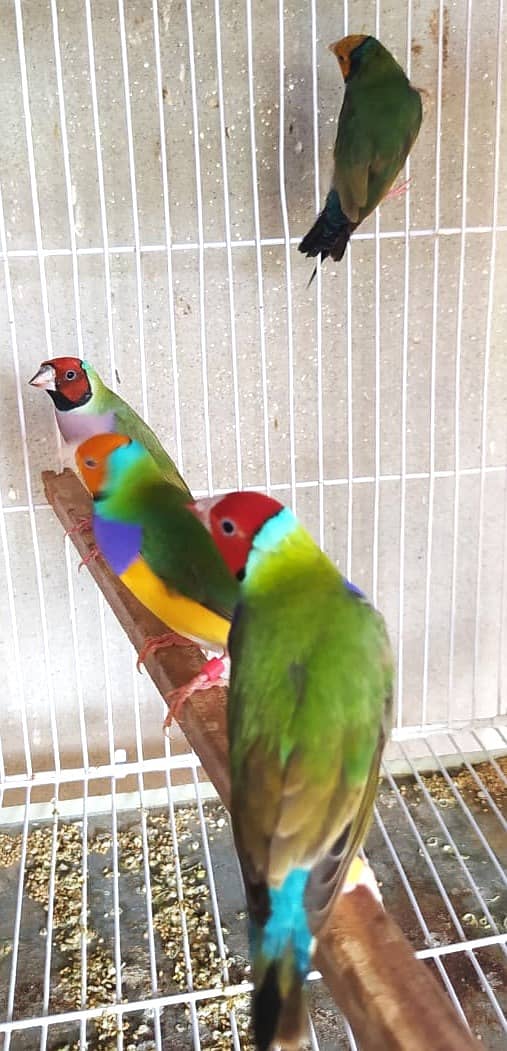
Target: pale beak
44, 378
202, 509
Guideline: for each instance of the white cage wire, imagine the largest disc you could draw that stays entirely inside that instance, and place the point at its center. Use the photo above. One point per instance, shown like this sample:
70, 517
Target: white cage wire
160, 163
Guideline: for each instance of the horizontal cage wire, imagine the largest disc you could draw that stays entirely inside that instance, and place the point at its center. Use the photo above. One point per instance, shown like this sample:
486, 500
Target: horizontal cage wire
160, 164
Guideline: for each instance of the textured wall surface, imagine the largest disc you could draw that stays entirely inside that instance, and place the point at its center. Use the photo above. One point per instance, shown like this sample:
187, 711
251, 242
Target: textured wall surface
154, 183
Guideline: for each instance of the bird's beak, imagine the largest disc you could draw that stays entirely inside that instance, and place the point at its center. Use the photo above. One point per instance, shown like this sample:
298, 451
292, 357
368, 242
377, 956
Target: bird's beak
44, 378
202, 509
332, 47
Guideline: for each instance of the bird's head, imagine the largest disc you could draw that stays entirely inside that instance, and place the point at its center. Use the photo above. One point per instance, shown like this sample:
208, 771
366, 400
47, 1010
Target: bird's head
66, 380
348, 52
234, 522
94, 460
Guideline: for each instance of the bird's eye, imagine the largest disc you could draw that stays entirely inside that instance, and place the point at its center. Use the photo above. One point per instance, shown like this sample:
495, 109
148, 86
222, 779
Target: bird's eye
341, 58
227, 527
70, 374
90, 463
240, 575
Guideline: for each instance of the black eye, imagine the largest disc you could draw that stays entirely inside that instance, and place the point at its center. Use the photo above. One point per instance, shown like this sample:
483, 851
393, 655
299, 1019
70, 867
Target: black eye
70, 374
240, 575
90, 463
227, 526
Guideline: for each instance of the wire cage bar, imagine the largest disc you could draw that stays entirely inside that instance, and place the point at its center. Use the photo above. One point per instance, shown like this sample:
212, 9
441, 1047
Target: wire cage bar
160, 164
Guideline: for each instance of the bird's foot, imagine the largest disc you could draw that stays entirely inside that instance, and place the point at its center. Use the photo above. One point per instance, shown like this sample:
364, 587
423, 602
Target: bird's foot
83, 525
214, 673
159, 642
398, 191
90, 557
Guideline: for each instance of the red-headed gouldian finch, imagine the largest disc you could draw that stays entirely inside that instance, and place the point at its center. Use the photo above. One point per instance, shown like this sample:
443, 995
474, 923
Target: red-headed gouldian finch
377, 127
308, 714
84, 406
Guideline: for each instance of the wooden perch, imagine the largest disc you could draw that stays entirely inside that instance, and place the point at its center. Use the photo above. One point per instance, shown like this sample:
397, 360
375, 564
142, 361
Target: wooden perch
390, 998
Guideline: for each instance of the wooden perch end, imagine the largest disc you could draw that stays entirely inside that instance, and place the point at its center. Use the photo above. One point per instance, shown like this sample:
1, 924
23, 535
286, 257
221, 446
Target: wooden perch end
390, 998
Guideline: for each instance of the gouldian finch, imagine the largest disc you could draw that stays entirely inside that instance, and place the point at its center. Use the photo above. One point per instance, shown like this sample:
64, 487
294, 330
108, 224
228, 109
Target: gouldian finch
308, 713
84, 406
145, 531
377, 127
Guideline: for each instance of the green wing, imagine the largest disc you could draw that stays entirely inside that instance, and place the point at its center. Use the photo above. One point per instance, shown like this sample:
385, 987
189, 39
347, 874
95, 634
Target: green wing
128, 422
376, 131
180, 551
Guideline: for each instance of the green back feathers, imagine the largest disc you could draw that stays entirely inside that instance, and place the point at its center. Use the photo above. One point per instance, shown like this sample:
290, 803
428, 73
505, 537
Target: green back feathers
130, 423
308, 714
378, 125
175, 545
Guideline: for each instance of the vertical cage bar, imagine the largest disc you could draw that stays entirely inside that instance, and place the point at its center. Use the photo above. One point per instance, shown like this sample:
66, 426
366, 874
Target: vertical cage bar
286, 234
433, 370
84, 919
49, 925
146, 852
17, 919
135, 209
403, 435
181, 902
487, 354
378, 340
258, 249
227, 221
200, 230
318, 278
12, 613
457, 375
168, 235
114, 815
47, 331
101, 188
215, 908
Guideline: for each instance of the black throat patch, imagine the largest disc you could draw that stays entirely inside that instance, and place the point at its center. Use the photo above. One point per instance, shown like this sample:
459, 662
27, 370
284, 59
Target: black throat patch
64, 404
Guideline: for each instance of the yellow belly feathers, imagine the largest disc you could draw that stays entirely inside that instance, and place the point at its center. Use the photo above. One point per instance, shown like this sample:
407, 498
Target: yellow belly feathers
182, 615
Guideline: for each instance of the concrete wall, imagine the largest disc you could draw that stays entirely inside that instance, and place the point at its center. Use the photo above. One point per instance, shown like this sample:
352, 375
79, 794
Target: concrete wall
420, 324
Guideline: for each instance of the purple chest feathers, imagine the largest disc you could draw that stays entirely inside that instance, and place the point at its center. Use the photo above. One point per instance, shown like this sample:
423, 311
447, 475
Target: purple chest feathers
119, 542
76, 427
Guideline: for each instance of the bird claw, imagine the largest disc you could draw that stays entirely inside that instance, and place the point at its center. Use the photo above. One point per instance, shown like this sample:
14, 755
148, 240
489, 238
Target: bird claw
83, 525
90, 557
398, 191
214, 672
159, 642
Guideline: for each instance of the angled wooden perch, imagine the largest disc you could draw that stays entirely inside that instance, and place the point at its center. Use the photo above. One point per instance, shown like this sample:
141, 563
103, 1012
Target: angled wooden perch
390, 998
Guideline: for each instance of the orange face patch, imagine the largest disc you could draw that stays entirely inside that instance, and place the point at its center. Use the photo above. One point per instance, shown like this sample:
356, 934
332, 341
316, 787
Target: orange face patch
92, 457
343, 50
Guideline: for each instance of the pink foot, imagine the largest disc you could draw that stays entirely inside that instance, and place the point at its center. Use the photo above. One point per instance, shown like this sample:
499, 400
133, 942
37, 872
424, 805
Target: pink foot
83, 525
214, 673
398, 191
90, 557
159, 642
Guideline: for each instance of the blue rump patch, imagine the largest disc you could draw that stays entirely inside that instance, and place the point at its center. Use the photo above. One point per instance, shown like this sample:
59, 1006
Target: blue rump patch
287, 923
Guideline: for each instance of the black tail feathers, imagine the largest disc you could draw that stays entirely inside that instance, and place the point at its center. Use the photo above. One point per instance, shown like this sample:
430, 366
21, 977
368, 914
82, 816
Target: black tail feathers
279, 1017
330, 233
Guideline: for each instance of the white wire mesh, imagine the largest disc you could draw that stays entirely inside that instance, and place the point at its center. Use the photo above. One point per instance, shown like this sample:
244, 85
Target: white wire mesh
159, 166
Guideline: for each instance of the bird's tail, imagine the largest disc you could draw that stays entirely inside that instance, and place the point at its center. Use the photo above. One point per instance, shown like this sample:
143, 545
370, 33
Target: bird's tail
279, 1006
281, 953
330, 233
